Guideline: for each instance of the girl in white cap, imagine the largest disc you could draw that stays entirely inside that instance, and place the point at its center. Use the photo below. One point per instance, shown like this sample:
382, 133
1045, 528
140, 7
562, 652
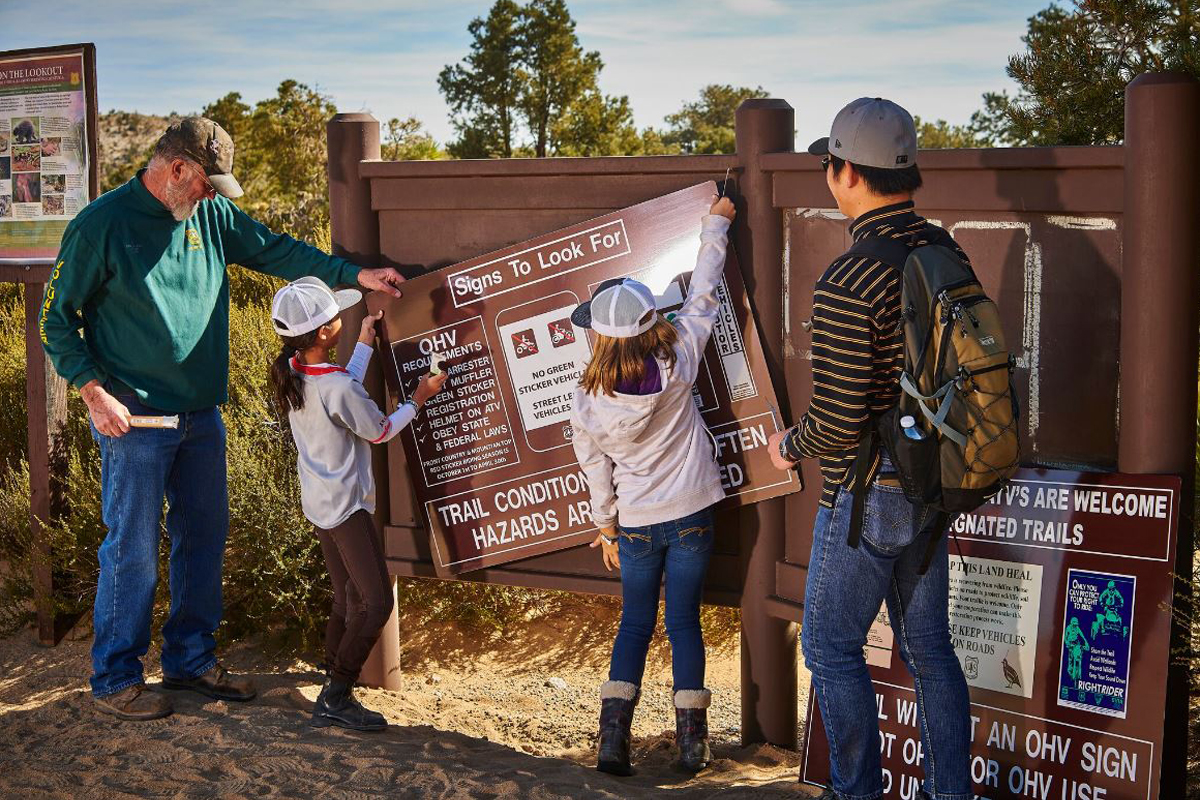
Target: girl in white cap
333, 423
650, 465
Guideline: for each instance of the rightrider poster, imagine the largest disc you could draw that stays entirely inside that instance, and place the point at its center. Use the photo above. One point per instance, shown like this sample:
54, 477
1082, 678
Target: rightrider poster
1060, 614
491, 455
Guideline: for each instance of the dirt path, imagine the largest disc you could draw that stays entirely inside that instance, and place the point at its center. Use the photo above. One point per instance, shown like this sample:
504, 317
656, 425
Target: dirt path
478, 717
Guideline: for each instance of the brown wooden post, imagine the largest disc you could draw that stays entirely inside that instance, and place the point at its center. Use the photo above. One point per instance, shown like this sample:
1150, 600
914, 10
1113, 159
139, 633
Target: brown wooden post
46, 402
1159, 283
354, 230
769, 654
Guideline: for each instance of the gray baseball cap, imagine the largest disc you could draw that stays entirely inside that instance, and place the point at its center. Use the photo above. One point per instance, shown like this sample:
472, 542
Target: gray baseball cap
871, 132
207, 143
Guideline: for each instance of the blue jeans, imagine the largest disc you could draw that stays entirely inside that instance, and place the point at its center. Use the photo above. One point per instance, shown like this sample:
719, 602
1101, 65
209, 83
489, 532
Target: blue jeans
137, 470
680, 549
845, 589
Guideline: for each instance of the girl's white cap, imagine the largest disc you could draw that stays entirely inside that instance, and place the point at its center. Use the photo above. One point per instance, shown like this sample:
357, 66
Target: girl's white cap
621, 308
306, 304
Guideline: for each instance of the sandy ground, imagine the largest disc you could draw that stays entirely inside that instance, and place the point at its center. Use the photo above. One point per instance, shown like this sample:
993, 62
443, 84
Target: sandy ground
478, 717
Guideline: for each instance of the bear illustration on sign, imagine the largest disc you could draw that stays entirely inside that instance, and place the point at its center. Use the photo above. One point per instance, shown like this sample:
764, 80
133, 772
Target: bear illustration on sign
24, 132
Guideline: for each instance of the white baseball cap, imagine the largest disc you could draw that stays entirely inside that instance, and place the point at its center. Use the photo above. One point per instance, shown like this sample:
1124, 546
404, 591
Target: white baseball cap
619, 308
306, 304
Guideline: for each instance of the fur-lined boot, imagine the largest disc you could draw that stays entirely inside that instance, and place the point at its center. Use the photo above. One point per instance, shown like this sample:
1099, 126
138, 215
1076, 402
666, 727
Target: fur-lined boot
691, 728
617, 701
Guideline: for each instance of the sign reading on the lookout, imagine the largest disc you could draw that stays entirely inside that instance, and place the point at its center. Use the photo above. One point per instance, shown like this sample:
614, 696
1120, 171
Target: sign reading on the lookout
47, 159
490, 456
1060, 614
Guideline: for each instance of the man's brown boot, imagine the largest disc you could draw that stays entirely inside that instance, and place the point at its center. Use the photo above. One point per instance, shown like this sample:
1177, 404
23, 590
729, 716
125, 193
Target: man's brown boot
218, 683
135, 703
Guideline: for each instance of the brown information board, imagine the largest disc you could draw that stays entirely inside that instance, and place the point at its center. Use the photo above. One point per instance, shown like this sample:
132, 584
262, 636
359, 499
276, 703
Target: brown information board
491, 455
1062, 622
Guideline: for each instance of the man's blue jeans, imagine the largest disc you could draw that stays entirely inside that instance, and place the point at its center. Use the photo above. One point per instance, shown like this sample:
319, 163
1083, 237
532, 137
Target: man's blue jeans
845, 589
680, 549
139, 469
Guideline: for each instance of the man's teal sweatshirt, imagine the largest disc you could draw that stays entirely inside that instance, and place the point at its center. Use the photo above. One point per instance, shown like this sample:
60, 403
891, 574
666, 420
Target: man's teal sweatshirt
150, 295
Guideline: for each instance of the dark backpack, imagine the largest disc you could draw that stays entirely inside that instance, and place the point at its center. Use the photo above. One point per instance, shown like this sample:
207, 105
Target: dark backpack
957, 385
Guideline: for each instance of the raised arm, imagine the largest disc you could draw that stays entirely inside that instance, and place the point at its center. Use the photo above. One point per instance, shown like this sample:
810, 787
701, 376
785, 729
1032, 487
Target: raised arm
696, 317
360, 359
250, 243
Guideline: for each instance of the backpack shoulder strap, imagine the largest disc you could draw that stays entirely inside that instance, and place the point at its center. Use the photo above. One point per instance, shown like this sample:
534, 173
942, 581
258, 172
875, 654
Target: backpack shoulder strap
893, 252
861, 467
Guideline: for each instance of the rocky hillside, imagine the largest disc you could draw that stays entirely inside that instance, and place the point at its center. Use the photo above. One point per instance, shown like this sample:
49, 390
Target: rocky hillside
126, 139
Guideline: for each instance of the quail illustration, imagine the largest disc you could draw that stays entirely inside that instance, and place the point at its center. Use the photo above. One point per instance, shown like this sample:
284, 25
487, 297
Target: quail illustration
1010, 674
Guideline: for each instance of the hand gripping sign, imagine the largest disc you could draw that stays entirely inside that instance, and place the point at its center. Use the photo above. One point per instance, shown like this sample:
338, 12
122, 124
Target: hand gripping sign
491, 455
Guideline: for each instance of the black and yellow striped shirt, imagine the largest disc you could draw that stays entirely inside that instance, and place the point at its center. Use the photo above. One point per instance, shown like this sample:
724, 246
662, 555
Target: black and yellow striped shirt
857, 347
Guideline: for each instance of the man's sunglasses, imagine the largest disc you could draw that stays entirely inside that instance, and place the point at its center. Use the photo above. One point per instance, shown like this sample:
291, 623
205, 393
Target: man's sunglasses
825, 160
208, 187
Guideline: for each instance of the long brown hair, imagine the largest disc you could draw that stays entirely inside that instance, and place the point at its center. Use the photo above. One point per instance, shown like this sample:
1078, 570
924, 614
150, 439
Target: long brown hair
614, 360
286, 384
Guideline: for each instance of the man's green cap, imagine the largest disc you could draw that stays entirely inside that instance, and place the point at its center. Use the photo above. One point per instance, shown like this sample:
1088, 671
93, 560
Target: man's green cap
207, 143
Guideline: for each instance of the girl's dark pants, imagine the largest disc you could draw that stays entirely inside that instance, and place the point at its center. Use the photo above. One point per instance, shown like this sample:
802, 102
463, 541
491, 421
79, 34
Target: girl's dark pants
362, 594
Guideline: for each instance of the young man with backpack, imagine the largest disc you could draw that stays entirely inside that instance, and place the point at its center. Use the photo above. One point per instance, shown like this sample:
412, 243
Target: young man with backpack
923, 420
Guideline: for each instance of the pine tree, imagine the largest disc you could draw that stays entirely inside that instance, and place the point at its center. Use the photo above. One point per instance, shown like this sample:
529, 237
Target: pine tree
280, 156
602, 125
557, 72
482, 90
990, 123
528, 73
230, 113
941, 135
707, 125
1077, 62
596, 125
407, 140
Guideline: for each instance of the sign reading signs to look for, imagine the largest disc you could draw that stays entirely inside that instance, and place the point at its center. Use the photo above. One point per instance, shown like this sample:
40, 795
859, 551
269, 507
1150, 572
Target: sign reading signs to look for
1060, 613
491, 455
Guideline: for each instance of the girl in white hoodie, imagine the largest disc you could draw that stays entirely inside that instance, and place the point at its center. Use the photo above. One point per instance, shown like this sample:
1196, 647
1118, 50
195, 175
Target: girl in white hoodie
650, 464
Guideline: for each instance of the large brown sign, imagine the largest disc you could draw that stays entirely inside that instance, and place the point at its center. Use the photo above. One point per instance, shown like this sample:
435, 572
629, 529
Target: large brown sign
491, 455
1061, 619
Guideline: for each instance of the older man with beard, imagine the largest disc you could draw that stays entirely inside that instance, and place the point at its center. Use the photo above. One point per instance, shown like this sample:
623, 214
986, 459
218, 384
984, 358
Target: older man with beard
142, 276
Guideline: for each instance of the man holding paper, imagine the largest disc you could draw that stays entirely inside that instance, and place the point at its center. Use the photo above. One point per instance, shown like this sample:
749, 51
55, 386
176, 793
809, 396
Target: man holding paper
136, 316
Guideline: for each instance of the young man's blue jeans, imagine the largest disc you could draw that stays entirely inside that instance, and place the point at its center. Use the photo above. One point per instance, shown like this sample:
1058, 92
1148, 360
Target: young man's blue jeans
187, 466
680, 549
845, 589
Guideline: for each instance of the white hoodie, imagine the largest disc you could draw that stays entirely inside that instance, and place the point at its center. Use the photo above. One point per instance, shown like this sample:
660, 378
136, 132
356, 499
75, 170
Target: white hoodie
650, 458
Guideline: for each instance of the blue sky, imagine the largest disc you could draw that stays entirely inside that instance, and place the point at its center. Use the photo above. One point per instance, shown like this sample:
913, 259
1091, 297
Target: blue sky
935, 57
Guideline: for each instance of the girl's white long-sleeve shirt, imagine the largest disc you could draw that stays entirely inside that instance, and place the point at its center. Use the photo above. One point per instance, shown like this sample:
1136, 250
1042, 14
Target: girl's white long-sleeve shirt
334, 432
